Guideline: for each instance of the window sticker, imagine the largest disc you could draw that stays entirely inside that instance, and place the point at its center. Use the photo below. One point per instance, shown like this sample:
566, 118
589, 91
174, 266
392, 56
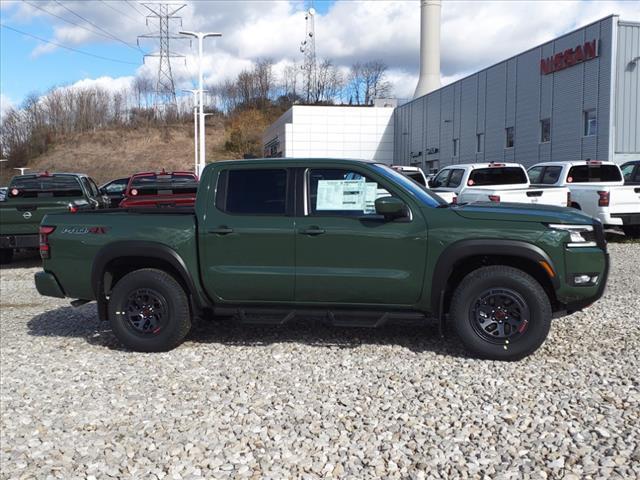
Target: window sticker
341, 195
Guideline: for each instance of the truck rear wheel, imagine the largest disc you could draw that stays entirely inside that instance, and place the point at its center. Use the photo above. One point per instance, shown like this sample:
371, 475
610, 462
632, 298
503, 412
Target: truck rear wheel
501, 313
6, 255
149, 311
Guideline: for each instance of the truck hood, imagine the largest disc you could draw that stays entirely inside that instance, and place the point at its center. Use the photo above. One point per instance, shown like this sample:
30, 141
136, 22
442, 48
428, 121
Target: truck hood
522, 212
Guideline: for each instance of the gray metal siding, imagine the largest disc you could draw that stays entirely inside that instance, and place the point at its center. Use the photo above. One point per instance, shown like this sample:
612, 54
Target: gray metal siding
514, 93
627, 97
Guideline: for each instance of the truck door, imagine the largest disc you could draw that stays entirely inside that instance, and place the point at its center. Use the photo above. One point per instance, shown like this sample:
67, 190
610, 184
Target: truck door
345, 253
247, 236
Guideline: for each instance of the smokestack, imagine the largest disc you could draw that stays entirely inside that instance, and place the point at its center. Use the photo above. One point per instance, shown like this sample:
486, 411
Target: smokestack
429, 47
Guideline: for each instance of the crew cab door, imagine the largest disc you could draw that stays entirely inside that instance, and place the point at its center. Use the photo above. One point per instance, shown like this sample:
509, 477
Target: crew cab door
246, 239
345, 253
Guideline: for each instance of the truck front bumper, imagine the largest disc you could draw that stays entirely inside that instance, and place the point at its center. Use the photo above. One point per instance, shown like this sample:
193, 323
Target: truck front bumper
577, 305
20, 241
47, 285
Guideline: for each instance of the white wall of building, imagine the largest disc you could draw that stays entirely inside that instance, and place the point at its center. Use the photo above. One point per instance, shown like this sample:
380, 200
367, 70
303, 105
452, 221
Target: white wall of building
312, 131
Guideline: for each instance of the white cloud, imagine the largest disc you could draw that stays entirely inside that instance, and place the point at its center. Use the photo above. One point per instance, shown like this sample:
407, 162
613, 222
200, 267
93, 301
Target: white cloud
474, 34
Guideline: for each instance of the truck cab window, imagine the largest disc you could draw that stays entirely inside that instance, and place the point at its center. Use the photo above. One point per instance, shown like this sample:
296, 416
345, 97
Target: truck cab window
253, 192
337, 192
441, 179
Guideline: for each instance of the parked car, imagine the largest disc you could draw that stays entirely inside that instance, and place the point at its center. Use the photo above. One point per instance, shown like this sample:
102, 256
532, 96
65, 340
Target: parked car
114, 190
597, 188
494, 182
163, 189
414, 173
631, 172
30, 197
272, 239
3, 194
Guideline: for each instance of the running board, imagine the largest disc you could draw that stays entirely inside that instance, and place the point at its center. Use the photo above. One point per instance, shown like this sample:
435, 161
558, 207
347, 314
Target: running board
335, 317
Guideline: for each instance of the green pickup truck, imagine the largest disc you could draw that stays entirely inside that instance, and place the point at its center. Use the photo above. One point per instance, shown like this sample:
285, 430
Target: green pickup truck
356, 243
30, 197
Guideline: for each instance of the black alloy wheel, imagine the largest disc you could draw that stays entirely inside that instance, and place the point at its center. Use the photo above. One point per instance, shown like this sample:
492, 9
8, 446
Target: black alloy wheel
499, 314
146, 311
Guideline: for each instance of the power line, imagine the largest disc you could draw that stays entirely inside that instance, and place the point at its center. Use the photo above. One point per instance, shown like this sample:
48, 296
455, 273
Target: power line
66, 20
119, 11
65, 47
133, 5
98, 26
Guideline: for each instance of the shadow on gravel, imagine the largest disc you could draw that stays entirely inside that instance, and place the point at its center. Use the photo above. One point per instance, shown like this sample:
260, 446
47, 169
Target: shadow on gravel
28, 259
83, 323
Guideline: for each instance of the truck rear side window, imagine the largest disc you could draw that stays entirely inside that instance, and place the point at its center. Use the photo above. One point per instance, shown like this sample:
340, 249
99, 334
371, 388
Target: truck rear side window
45, 186
594, 173
482, 177
544, 175
252, 192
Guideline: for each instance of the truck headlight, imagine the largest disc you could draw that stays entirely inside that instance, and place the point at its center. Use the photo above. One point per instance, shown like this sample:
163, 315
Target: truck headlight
580, 235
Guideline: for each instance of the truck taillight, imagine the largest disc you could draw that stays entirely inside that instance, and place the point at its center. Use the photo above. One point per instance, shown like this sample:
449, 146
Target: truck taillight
568, 199
454, 200
45, 251
72, 208
603, 200
494, 198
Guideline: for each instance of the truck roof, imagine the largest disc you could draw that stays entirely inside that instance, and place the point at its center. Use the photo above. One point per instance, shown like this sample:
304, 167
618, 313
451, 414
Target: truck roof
483, 165
573, 163
277, 161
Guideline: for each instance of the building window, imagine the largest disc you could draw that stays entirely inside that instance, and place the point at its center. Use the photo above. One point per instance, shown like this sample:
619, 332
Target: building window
509, 137
479, 142
590, 123
456, 142
545, 130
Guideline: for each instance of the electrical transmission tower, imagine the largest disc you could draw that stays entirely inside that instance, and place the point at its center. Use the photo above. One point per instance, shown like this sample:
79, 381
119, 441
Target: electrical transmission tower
308, 48
165, 94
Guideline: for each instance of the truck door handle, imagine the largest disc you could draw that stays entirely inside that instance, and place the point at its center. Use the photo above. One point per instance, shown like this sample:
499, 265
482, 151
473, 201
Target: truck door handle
221, 230
313, 231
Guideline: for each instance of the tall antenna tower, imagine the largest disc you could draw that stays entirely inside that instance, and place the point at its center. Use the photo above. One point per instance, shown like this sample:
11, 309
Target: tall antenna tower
165, 94
308, 48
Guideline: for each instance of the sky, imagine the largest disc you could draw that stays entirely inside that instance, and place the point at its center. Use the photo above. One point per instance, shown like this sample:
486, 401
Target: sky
475, 34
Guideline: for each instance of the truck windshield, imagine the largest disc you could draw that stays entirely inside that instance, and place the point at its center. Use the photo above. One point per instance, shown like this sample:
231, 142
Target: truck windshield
34, 186
482, 177
170, 184
423, 195
594, 173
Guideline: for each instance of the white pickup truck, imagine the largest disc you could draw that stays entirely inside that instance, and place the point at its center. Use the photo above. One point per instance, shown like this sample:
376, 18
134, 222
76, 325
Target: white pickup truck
493, 182
597, 188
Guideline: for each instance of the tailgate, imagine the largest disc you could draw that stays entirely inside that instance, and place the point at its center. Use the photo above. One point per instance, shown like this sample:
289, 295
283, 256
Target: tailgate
23, 216
624, 199
543, 196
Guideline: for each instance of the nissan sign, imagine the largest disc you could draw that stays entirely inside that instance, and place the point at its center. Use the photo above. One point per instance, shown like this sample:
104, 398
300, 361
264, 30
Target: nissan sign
570, 57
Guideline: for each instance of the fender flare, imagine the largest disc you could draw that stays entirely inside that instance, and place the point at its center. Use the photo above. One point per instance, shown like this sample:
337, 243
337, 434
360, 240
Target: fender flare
471, 248
136, 249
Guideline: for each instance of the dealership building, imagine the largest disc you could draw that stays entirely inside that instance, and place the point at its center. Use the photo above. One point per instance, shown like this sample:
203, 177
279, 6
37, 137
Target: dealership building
575, 97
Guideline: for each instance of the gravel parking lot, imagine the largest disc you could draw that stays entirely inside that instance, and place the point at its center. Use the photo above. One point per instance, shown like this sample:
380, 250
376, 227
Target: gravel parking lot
310, 401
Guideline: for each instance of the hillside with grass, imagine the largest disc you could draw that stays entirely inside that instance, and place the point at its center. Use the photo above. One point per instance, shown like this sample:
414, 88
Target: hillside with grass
118, 152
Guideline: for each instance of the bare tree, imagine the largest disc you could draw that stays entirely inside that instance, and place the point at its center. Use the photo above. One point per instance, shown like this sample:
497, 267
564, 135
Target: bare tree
328, 84
367, 81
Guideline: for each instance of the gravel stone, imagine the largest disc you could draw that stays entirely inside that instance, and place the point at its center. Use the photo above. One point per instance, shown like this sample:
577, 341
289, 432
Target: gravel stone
309, 401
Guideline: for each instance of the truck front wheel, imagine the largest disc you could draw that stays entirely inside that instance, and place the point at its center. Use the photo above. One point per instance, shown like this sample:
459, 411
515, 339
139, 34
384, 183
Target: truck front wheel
149, 311
500, 313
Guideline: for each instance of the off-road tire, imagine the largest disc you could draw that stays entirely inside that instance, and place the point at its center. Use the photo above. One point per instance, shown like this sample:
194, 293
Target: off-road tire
6, 255
468, 293
178, 320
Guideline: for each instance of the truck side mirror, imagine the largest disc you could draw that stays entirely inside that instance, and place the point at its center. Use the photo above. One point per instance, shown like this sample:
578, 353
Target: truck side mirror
391, 208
